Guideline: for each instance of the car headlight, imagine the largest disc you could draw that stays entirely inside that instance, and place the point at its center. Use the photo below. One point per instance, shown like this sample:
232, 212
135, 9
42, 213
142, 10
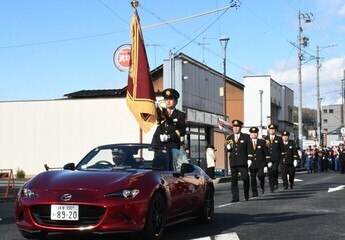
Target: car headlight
27, 192
127, 193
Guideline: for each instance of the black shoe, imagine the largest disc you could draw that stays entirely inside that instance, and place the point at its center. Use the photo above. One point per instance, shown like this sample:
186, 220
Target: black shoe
262, 190
255, 195
291, 186
276, 186
246, 198
286, 187
272, 190
234, 200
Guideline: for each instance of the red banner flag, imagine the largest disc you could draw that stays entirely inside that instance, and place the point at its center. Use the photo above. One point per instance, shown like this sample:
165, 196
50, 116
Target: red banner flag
140, 92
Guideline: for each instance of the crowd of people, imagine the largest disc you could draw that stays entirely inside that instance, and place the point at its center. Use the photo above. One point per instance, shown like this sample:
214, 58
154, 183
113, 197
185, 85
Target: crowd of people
324, 159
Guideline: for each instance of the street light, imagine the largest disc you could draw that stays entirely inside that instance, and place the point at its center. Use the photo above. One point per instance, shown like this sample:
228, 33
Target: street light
261, 92
224, 42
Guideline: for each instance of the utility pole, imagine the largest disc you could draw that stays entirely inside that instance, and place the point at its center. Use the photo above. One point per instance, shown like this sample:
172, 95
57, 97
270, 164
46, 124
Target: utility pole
261, 92
301, 41
318, 99
318, 107
343, 100
299, 82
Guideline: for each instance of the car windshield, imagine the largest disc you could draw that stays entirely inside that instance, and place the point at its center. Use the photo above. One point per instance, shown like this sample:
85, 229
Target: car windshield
126, 157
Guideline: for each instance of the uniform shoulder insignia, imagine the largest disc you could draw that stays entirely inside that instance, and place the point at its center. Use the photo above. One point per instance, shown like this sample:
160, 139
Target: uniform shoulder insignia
267, 142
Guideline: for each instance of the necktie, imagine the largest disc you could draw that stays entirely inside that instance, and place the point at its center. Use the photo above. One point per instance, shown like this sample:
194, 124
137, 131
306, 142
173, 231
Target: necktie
169, 112
236, 138
254, 144
272, 138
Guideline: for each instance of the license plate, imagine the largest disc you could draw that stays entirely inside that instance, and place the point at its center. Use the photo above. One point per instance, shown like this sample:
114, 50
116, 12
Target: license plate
64, 212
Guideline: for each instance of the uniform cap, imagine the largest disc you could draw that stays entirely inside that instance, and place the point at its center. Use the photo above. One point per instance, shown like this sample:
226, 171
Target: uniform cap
170, 93
237, 123
253, 130
272, 126
285, 133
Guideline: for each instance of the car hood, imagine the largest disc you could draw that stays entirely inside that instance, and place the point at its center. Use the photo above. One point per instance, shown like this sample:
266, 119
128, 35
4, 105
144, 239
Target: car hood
84, 180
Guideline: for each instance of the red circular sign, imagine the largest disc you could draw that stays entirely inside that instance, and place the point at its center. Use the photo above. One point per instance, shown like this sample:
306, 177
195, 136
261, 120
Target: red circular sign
121, 57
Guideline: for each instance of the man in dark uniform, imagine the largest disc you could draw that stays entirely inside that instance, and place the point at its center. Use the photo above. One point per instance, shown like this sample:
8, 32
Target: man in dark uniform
238, 146
289, 160
341, 158
260, 155
171, 122
275, 147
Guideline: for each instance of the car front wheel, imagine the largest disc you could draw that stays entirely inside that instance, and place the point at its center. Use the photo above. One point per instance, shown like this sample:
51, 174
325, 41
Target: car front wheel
155, 219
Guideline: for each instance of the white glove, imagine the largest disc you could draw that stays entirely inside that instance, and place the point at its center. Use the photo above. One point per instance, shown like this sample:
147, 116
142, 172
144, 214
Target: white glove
163, 137
249, 162
269, 164
295, 163
265, 170
160, 104
228, 146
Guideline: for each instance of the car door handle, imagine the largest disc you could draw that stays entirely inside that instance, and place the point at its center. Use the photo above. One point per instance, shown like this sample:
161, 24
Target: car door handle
197, 176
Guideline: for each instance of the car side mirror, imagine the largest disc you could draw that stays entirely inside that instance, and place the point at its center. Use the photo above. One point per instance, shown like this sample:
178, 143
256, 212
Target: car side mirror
69, 166
187, 168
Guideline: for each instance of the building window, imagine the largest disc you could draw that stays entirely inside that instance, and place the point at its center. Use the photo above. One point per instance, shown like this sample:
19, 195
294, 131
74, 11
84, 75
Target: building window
330, 110
325, 121
325, 130
325, 111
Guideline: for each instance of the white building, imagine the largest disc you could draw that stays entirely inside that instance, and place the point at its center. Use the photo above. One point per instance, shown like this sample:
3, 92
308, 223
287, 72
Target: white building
265, 102
56, 132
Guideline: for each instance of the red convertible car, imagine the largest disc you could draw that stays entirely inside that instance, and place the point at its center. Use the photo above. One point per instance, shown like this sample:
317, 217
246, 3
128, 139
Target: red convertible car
116, 188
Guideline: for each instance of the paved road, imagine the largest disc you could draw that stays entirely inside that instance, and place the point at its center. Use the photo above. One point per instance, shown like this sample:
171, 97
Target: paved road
314, 209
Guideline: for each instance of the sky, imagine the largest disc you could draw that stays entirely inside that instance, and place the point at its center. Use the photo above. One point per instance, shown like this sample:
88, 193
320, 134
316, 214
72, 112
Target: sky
51, 48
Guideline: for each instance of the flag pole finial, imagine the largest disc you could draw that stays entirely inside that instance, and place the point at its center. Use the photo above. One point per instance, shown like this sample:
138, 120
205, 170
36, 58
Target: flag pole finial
135, 4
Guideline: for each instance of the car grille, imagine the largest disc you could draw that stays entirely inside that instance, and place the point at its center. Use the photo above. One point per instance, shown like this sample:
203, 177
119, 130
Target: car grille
88, 216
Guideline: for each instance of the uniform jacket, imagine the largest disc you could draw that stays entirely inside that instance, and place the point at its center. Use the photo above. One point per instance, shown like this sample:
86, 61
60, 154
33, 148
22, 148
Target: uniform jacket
289, 153
341, 154
260, 155
174, 126
275, 148
239, 153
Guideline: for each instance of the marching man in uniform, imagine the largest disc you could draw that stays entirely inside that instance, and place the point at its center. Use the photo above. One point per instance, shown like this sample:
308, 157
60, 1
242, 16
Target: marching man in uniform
260, 155
289, 160
171, 123
238, 146
275, 147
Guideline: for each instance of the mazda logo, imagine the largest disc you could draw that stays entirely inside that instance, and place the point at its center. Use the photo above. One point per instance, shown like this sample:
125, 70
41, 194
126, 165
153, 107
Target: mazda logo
66, 197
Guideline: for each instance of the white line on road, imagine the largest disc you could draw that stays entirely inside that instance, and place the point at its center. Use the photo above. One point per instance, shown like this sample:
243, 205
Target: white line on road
341, 187
226, 236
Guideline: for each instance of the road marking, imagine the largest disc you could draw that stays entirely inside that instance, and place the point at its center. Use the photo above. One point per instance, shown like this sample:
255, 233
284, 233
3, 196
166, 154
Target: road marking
295, 180
341, 187
226, 236
224, 205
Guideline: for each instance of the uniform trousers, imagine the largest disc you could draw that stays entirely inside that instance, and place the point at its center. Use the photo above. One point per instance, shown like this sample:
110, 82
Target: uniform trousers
288, 169
234, 182
273, 175
259, 172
